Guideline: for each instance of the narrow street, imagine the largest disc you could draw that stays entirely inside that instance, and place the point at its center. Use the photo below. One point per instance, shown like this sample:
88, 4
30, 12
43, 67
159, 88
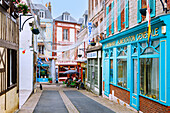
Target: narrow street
61, 99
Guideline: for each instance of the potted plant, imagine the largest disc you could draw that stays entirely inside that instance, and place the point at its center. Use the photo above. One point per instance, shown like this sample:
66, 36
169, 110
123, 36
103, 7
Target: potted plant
50, 80
143, 10
79, 55
35, 31
93, 43
16, 1
23, 8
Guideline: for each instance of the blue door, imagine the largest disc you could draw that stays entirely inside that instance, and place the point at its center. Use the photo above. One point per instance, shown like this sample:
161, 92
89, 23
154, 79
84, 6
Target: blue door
134, 90
107, 87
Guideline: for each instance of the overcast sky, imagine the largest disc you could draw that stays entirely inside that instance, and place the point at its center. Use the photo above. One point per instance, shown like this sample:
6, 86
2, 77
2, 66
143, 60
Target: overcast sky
75, 7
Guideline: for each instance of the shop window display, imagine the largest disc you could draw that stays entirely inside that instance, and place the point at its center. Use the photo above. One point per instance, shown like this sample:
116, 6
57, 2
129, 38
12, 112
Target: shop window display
149, 70
149, 77
122, 72
111, 70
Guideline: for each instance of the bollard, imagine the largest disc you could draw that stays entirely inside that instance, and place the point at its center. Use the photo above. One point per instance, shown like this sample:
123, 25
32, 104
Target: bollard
40, 87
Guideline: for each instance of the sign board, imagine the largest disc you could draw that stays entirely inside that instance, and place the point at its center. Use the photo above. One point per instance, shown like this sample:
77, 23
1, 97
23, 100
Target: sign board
92, 55
89, 30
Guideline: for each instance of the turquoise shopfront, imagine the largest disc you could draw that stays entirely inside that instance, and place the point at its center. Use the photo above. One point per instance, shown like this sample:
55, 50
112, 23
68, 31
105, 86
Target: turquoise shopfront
137, 72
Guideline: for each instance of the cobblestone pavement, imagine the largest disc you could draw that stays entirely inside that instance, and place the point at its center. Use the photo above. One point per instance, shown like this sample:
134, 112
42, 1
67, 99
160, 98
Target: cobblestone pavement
72, 105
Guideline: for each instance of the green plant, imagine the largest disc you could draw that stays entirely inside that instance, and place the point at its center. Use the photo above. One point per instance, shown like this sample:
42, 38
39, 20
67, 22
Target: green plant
16, 1
23, 8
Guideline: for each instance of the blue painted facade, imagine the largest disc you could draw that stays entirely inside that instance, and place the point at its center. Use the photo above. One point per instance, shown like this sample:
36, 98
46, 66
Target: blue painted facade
48, 32
131, 42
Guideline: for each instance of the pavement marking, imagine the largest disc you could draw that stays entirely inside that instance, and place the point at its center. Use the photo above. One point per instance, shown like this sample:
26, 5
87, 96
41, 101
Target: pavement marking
69, 105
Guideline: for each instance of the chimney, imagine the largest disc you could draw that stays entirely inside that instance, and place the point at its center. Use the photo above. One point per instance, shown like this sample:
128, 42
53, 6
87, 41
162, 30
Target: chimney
49, 7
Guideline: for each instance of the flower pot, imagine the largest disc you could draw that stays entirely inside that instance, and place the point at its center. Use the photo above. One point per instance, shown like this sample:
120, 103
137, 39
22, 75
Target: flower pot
143, 11
35, 31
92, 43
79, 55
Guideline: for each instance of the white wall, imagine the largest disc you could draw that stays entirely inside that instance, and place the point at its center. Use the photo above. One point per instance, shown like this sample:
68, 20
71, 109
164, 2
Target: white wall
72, 35
59, 33
25, 60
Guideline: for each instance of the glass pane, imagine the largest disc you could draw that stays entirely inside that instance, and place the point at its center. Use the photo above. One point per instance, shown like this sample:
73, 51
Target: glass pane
135, 76
149, 77
111, 70
122, 51
155, 43
122, 72
111, 53
149, 51
143, 45
96, 75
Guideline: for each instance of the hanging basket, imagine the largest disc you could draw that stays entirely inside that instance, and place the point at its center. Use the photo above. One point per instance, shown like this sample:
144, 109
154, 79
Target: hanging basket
35, 31
143, 11
79, 55
92, 43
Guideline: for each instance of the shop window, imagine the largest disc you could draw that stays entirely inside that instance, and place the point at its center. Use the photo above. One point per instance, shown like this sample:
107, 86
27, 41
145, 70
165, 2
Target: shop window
134, 49
111, 53
111, 70
152, 49
122, 51
122, 72
96, 71
107, 53
149, 77
89, 69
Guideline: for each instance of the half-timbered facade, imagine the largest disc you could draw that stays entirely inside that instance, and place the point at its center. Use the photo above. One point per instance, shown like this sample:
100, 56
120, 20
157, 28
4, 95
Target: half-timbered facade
9, 32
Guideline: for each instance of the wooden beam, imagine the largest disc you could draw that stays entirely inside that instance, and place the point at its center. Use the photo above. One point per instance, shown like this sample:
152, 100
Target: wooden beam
8, 44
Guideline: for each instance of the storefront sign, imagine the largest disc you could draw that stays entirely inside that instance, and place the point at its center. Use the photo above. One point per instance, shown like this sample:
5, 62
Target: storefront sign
137, 37
66, 63
92, 55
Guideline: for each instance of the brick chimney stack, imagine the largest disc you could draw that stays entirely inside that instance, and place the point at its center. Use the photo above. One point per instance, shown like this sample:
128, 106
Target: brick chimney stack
49, 7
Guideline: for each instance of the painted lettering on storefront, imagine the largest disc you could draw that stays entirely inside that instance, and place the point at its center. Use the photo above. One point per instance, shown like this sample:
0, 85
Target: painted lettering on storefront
144, 35
137, 37
110, 44
126, 40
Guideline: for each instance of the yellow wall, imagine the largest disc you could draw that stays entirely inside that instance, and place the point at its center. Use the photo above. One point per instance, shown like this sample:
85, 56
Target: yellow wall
12, 101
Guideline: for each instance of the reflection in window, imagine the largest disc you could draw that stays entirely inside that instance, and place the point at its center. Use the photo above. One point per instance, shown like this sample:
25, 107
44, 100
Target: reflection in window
149, 77
107, 53
111, 70
122, 72
111, 53
65, 34
122, 51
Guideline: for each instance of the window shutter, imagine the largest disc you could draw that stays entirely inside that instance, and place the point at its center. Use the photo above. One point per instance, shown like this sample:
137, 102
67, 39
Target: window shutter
139, 17
107, 17
119, 15
152, 6
127, 14
112, 17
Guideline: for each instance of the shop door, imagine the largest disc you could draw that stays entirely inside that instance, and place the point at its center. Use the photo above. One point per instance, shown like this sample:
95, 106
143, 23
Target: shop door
107, 87
134, 89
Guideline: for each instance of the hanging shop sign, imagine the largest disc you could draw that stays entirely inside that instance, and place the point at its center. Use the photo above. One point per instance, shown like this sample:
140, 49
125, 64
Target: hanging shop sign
92, 55
132, 38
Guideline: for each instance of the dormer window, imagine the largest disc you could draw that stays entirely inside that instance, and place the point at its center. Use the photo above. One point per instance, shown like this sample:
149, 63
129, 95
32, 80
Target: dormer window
42, 14
66, 16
